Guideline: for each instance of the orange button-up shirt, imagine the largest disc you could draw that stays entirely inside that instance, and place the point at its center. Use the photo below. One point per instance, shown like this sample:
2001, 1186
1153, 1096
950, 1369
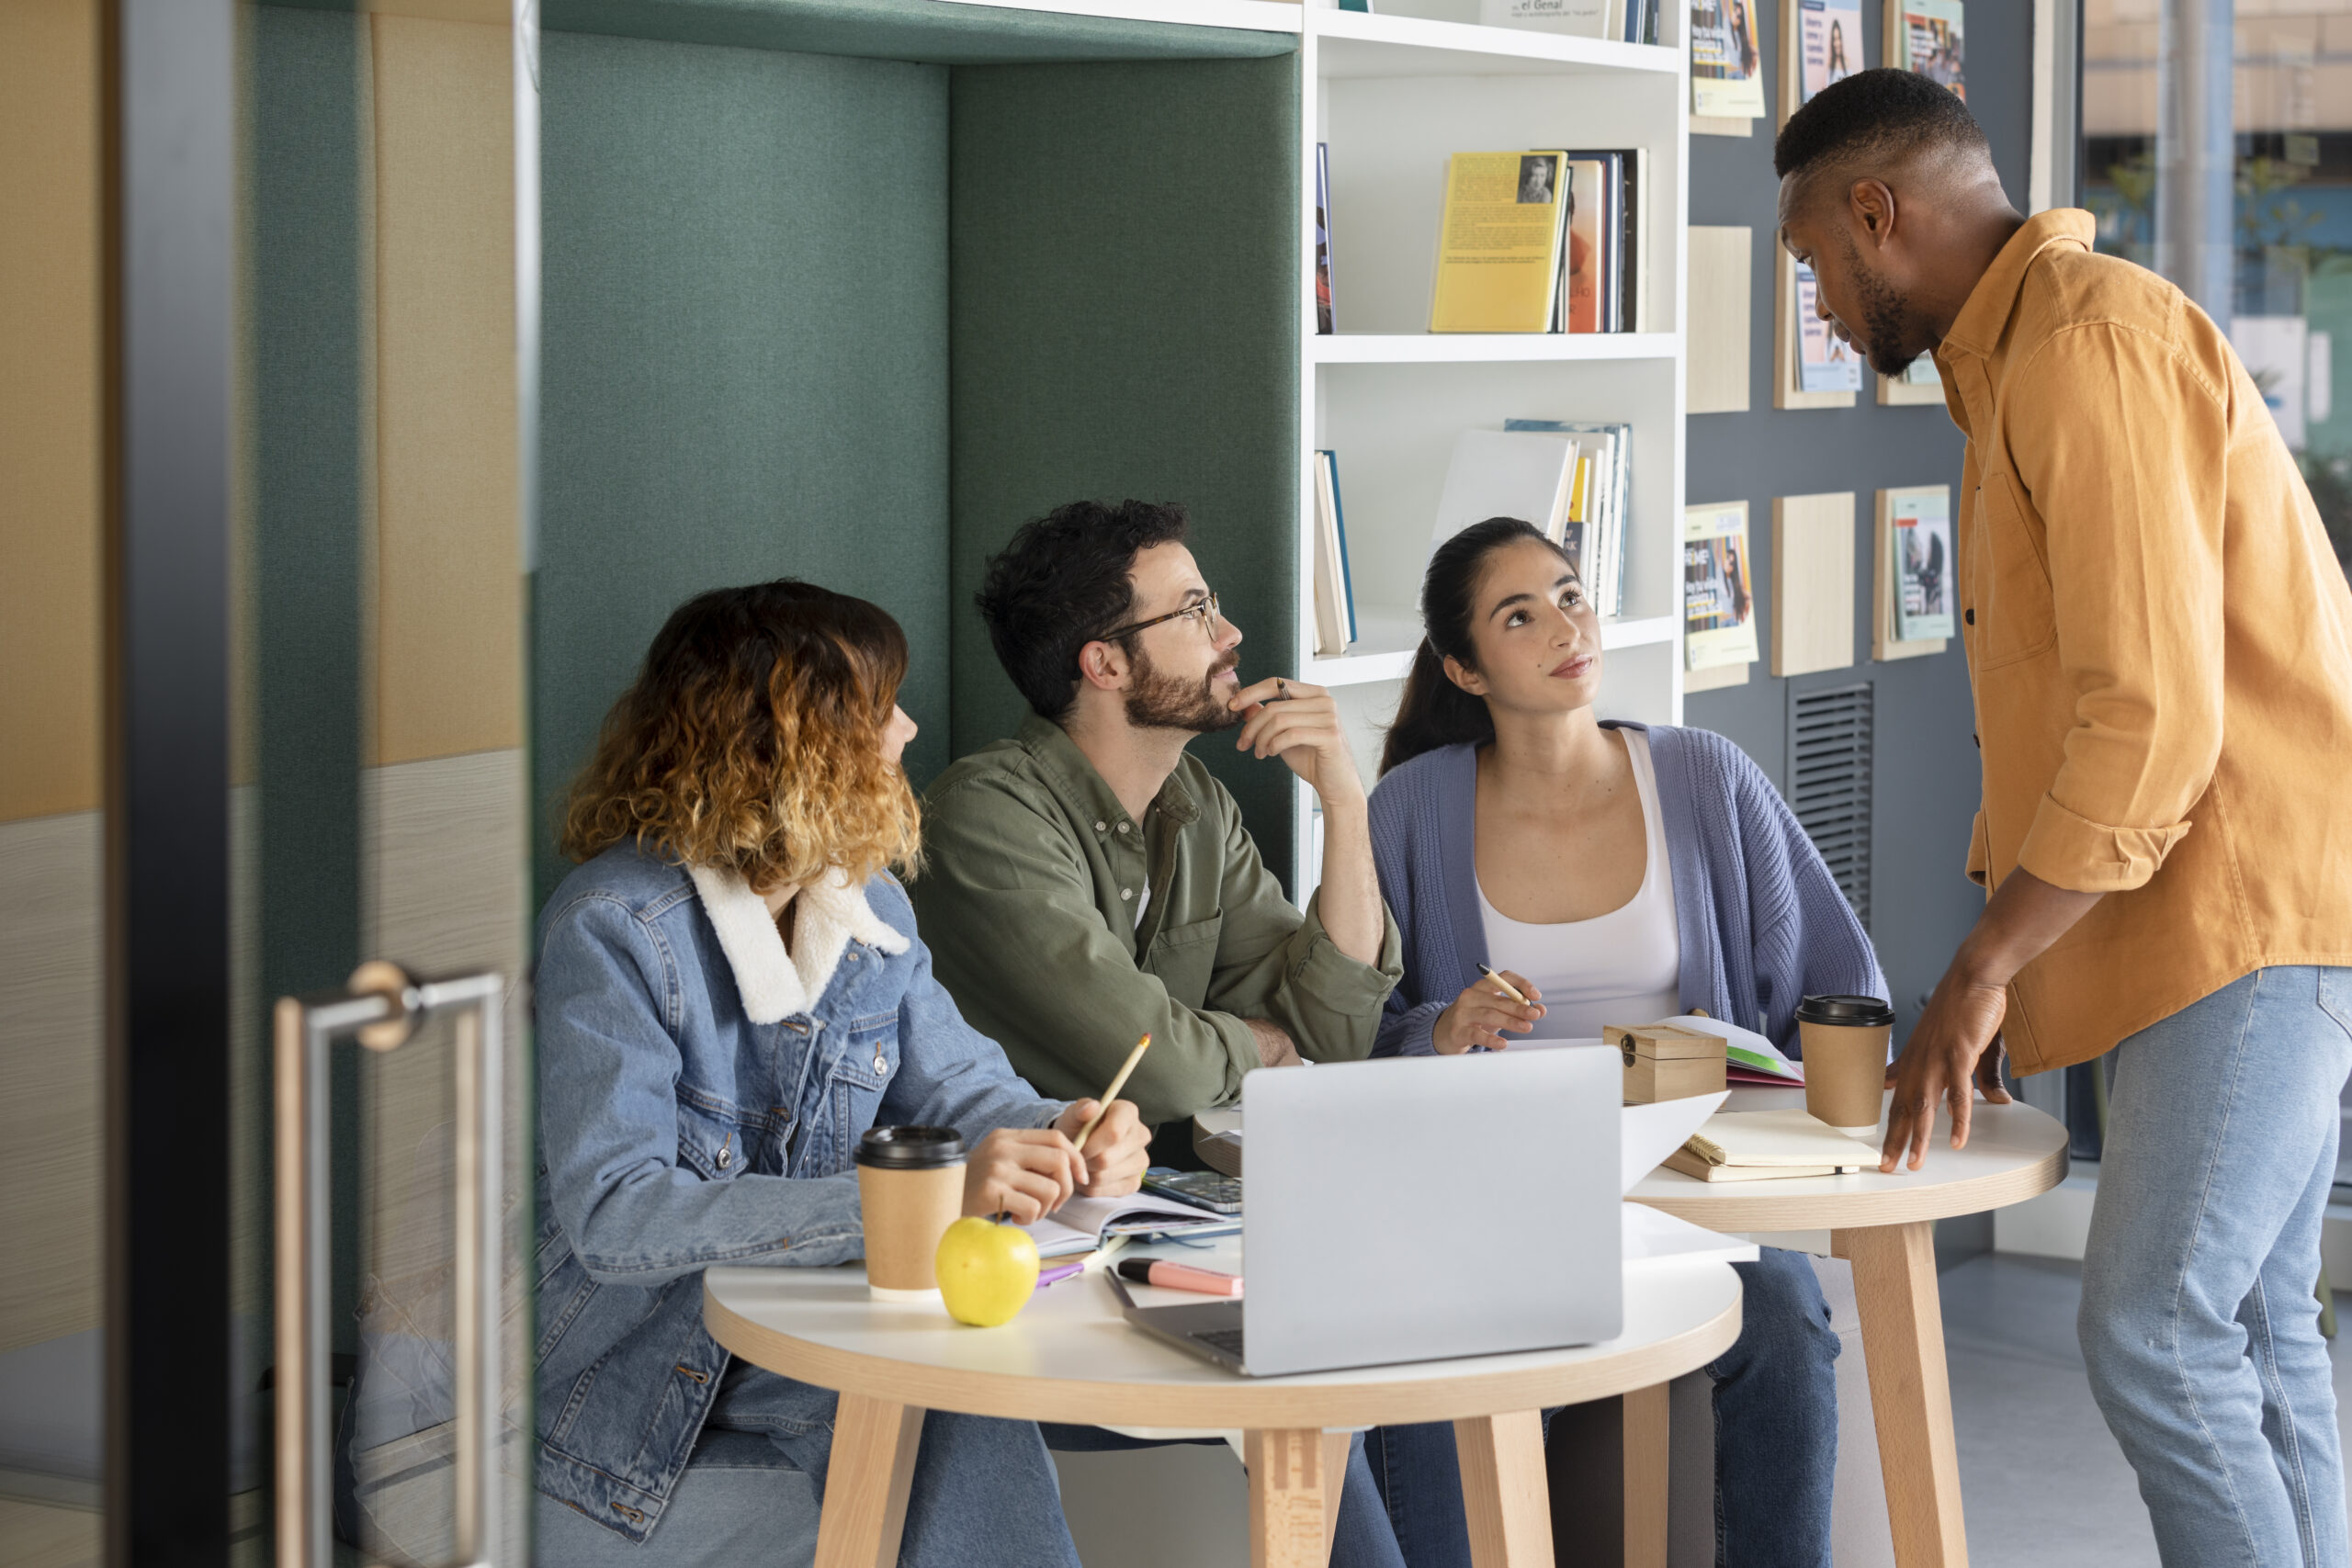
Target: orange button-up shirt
2159, 644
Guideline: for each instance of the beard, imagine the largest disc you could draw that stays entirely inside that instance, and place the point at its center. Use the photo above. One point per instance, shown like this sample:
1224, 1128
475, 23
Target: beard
1886, 318
1161, 701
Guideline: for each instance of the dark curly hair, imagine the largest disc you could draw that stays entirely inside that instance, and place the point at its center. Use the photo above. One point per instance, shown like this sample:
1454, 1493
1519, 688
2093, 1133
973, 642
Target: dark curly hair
1873, 117
1061, 584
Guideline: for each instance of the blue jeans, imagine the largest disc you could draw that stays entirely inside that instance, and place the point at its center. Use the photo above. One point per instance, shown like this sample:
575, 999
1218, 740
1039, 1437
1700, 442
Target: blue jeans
1776, 1437
2199, 1323
984, 1494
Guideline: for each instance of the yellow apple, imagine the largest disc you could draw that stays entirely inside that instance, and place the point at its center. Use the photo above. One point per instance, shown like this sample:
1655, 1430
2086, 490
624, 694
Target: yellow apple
986, 1271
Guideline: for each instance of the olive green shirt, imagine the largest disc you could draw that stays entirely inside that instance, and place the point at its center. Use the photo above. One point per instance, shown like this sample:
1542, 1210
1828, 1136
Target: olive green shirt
1027, 901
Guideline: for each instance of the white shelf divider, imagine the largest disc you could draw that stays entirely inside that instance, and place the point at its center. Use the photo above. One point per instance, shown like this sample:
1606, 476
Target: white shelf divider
1362, 44
1494, 348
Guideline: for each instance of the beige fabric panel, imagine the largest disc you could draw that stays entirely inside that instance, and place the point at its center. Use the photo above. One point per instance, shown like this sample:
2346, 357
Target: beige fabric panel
52, 479
51, 1070
448, 594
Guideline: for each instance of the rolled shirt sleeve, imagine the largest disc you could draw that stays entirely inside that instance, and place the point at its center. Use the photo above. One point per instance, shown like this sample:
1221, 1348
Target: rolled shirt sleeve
2121, 446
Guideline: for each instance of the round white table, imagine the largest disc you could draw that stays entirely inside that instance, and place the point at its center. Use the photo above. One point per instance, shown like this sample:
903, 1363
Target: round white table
1885, 1226
1070, 1357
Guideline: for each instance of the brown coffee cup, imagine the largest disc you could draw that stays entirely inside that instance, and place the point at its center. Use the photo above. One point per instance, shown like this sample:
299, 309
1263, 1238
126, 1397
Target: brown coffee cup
1843, 1041
911, 1186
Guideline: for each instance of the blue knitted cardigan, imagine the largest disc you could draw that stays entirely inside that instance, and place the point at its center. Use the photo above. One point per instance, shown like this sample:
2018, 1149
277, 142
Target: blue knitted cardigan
1762, 924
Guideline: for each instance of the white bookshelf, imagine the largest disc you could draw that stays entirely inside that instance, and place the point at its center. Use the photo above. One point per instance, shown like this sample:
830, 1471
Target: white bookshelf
1392, 95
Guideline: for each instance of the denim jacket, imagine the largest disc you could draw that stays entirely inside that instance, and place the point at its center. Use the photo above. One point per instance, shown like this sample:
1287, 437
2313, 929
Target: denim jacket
701, 1091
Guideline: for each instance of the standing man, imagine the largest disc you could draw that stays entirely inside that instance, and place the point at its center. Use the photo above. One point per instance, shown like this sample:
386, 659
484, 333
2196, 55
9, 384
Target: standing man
1088, 879
2160, 646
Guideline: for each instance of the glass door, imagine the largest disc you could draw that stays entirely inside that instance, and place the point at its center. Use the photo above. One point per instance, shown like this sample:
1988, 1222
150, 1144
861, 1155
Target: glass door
379, 830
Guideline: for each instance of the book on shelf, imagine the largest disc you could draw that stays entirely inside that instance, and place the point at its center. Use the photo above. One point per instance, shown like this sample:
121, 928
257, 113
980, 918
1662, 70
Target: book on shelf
1335, 600
1726, 68
1500, 242
1825, 361
1625, 21
1502, 474
1488, 274
1718, 603
1921, 522
1324, 320
1925, 36
1600, 556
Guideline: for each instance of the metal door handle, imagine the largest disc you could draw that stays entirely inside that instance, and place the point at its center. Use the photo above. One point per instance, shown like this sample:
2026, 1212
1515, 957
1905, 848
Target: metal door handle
381, 1007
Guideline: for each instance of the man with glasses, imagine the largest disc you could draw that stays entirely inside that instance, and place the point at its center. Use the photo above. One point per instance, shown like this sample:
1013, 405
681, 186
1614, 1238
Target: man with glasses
1087, 881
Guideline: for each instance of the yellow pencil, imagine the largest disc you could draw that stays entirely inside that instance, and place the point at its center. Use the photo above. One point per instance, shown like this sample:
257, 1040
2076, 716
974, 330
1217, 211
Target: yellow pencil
1111, 1094
1509, 989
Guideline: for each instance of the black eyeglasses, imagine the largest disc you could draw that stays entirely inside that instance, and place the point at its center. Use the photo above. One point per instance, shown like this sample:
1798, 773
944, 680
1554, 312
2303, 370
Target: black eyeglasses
1204, 612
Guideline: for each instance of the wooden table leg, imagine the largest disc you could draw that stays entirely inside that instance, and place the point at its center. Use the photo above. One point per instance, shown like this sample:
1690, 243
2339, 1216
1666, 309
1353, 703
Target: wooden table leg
866, 1479
1646, 1443
1294, 1490
1903, 1339
1504, 1490
1335, 1476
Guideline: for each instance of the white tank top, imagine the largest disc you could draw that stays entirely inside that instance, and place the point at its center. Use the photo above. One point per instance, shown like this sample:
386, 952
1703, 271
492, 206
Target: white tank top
1622, 967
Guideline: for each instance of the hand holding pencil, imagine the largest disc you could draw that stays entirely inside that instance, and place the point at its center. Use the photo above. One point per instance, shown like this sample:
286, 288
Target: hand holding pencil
1496, 1001
1109, 1137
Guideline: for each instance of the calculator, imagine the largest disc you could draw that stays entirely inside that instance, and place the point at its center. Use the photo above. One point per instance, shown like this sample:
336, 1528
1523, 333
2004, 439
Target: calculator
1206, 1188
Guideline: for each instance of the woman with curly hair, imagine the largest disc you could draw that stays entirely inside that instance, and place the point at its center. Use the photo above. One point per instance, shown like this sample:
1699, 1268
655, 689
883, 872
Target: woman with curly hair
729, 991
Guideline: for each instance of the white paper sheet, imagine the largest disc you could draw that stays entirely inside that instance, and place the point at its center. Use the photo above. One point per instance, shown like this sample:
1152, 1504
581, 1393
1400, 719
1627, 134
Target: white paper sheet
1650, 1133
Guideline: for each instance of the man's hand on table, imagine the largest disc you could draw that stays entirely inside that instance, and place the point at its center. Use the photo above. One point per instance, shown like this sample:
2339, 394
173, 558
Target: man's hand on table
1956, 1046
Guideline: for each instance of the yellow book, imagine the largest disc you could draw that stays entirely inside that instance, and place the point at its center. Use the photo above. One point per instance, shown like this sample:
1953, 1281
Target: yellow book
1498, 243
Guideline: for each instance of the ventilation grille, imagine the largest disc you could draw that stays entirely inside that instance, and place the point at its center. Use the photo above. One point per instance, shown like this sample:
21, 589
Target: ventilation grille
1830, 783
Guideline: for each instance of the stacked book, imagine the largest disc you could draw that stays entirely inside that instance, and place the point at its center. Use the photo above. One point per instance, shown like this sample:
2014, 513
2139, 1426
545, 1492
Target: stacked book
1627, 21
1571, 479
1763, 1145
1542, 241
1335, 593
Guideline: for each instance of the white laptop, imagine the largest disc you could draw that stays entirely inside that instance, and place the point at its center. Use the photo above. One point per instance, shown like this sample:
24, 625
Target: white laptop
1420, 1209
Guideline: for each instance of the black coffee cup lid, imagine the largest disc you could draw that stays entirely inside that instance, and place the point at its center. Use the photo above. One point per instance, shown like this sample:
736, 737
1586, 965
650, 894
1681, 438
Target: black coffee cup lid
1854, 1012
909, 1149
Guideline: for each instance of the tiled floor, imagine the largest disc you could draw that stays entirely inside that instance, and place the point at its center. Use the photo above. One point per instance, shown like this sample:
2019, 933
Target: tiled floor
2042, 1479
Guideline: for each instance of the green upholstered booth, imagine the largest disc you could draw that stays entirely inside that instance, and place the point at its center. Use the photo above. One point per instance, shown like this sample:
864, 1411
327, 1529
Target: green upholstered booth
844, 289
848, 292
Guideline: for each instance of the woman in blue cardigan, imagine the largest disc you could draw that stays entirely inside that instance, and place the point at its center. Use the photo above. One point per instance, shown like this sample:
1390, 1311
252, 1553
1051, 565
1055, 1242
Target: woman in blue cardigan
1620, 873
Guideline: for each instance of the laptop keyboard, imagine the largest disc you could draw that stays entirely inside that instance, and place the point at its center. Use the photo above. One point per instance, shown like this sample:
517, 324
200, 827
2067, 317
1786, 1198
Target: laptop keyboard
1226, 1340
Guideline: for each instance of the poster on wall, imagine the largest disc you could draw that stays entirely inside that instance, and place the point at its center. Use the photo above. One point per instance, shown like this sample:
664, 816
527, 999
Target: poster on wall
1828, 37
1921, 520
1825, 361
1925, 36
1726, 68
1718, 609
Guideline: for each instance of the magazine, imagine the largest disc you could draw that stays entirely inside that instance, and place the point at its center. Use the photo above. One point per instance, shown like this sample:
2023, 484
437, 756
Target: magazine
1923, 563
1825, 361
1718, 607
1830, 45
1726, 68
1324, 320
1929, 42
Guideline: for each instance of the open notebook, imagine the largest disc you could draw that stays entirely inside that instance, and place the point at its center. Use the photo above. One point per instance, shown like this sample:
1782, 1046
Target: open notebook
1084, 1223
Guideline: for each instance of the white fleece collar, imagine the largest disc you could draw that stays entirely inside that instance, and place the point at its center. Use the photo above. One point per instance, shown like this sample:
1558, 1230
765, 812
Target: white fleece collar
776, 984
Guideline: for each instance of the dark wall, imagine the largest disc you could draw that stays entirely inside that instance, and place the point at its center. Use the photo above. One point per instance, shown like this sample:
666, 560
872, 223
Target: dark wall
1926, 779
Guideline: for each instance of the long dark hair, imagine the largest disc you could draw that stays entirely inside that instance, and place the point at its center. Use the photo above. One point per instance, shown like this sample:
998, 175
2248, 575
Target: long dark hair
1435, 712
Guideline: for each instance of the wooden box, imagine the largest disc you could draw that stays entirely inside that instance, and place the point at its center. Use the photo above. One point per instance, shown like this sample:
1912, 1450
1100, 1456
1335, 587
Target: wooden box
1663, 1062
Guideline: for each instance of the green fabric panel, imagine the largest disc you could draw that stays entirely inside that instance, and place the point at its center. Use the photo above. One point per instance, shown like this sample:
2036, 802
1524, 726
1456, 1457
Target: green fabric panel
744, 361
930, 30
303, 571
1124, 276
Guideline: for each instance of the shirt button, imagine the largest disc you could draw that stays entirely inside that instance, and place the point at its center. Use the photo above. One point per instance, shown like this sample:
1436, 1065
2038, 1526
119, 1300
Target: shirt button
725, 1157
881, 1065
1969, 615
1123, 826
1126, 892
1100, 827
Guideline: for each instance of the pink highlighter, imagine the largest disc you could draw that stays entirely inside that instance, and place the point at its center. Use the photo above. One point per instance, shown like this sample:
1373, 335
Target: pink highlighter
1178, 1277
